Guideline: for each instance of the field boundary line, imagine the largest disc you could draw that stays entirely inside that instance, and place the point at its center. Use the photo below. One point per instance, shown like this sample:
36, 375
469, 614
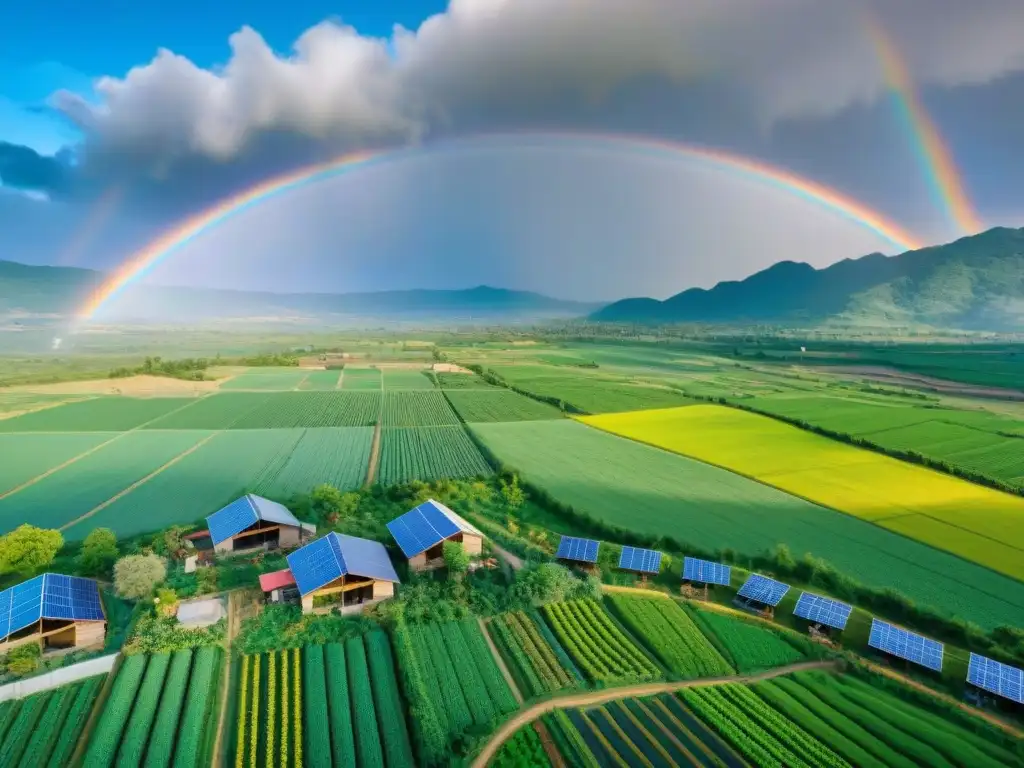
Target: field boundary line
501, 662
341, 378
576, 699
371, 470
124, 492
69, 462
298, 386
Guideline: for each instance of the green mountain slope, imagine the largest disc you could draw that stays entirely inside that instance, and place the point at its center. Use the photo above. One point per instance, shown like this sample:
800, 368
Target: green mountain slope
974, 283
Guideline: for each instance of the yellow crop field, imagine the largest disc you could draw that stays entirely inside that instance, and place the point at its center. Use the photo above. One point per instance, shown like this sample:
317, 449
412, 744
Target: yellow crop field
974, 522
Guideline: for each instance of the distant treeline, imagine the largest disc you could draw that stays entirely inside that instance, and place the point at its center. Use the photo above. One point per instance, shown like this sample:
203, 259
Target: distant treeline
191, 369
270, 360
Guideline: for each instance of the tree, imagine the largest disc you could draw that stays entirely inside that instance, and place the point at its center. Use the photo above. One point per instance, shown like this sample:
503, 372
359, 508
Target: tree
456, 558
27, 549
512, 493
331, 505
136, 576
23, 660
99, 551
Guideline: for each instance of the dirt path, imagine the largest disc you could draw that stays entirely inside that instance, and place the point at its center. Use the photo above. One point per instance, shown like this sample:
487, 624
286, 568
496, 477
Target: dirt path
515, 562
225, 682
501, 663
591, 698
341, 378
371, 471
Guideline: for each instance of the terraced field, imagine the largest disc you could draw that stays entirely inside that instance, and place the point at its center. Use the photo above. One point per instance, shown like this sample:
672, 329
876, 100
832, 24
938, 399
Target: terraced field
648, 490
973, 522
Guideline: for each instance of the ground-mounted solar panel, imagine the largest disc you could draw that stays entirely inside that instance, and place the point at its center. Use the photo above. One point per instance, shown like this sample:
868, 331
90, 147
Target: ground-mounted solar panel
823, 610
996, 677
581, 550
642, 560
906, 644
763, 590
705, 571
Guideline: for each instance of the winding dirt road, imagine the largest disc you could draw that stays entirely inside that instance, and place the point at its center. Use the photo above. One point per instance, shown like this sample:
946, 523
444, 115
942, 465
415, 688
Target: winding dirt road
591, 698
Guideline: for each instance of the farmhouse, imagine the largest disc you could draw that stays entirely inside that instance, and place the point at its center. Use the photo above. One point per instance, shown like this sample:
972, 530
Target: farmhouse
251, 522
353, 572
422, 531
54, 611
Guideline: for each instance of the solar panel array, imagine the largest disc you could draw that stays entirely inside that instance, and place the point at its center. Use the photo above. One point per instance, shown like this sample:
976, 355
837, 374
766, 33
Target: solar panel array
763, 590
706, 571
50, 596
996, 677
232, 519
906, 644
823, 610
421, 528
335, 555
582, 550
643, 560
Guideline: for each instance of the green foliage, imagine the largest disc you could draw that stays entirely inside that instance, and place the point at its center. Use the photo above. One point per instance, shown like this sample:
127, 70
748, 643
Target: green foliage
364, 716
331, 505
541, 583
532, 660
456, 558
200, 697
136, 576
750, 647
106, 737
22, 660
523, 750
21, 729
163, 634
172, 700
98, 553
314, 704
428, 719
137, 731
343, 745
27, 549
390, 716
285, 626
514, 495
67, 736
428, 453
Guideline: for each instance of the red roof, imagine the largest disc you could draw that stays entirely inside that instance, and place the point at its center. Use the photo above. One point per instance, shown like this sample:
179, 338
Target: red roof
271, 581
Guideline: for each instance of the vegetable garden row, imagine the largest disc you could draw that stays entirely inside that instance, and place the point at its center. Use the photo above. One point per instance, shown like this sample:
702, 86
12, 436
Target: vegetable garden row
428, 453
417, 409
486, 405
538, 663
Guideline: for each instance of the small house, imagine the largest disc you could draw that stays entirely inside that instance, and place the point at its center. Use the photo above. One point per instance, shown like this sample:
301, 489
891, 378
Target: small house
54, 611
251, 522
422, 531
352, 572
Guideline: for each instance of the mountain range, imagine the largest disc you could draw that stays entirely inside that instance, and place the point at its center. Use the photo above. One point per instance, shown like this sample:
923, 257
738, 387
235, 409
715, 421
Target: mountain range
975, 283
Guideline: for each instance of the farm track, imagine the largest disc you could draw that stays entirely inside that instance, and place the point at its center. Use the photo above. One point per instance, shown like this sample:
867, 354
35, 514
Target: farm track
92, 450
590, 698
371, 470
341, 378
550, 749
225, 684
501, 663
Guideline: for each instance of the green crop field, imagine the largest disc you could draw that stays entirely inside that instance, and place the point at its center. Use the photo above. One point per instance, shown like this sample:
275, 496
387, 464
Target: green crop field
159, 706
336, 456
212, 411
673, 636
360, 379
320, 380
657, 493
313, 409
482, 405
523, 750
101, 414
599, 648
462, 381
534, 663
406, 378
747, 646
230, 464
277, 380
428, 453
43, 729
417, 409
30, 401
27, 456
82, 485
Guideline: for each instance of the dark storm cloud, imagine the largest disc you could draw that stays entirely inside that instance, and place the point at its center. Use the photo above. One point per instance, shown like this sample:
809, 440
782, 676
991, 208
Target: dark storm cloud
24, 168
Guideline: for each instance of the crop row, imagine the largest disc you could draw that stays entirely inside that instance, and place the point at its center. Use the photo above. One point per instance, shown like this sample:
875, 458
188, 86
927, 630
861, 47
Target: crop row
747, 646
669, 631
417, 409
335, 456
320, 381
99, 414
486, 405
268, 730
428, 453
267, 380
531, 659
361, 379
523, 750
601, 650
406, 379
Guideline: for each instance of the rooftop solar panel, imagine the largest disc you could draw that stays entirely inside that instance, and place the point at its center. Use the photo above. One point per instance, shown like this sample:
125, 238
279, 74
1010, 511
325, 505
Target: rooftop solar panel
335, 555
643, 560
763, 590
244, 512
424, 526
823, 610
581, 550
996, 677
706, 571
50, 596
906, 644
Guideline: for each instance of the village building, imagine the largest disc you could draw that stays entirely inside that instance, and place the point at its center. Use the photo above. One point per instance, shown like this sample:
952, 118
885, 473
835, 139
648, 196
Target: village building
252, 522
421, 533
54, 611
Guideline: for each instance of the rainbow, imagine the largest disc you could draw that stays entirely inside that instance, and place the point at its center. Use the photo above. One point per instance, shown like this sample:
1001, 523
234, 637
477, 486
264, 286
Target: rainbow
936, 158
185, 232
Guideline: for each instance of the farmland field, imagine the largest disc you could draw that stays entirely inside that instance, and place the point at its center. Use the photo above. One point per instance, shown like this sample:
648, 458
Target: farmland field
428, 453
406, 378
11, 402
484, 405
462, 381
30, 455
79, 487
599, 648
100, 414
212, 411
747, 646
273, 699
278, 380
313, 409
532, 661
337, 456
417, 409
973, 522
320, 380
43, 729
161, 707
673, 636
651, 491
523, 750
360, 379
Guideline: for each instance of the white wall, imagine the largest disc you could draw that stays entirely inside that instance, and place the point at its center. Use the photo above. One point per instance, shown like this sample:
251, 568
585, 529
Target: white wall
57, 677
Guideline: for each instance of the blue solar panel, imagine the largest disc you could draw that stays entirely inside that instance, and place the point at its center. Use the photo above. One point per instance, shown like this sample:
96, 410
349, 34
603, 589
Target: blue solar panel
232, 519
322, 561
643, 560
763, 590
581, 550
440, 522
996, 677
706, 571
906, 645
50, 596
823, 610
424, 526
364, 557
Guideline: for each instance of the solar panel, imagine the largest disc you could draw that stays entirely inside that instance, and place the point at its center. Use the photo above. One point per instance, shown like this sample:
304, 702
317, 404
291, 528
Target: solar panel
363, 557
582, 550
424, 526
763, 590
996, 677
232, 519
823, 610
706, 571
643, 560
322, 561
906, 644
50, 596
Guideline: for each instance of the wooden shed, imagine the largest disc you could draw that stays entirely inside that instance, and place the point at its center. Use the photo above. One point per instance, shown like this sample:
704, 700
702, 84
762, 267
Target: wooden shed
350, 572
253, 522
54, 611
422, 531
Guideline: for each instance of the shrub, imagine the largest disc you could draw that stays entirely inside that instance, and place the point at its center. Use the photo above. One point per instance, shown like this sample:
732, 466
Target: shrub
136, 576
